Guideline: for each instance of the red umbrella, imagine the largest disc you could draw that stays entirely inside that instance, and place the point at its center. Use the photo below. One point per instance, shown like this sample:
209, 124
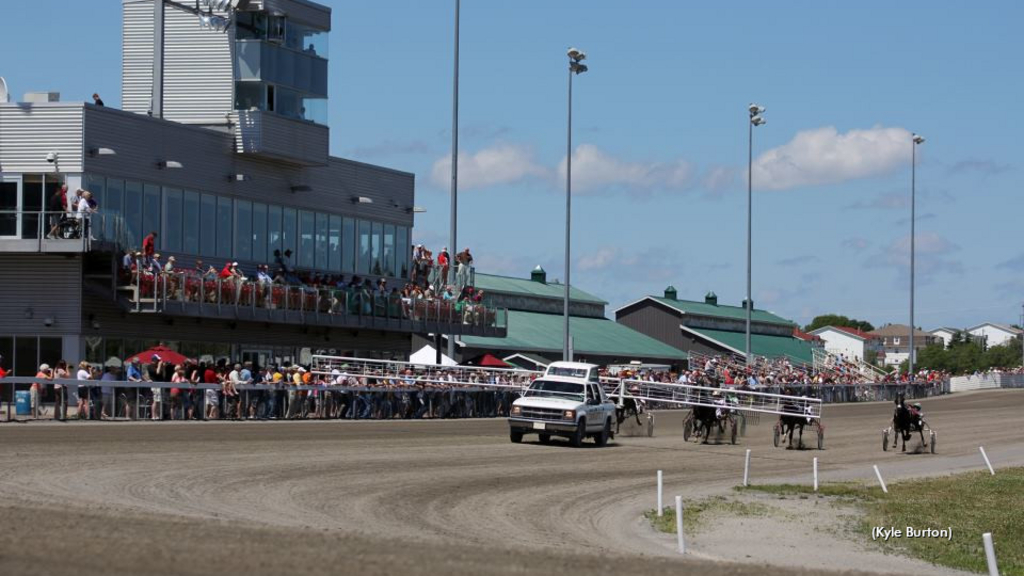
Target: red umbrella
165, 354
489, 361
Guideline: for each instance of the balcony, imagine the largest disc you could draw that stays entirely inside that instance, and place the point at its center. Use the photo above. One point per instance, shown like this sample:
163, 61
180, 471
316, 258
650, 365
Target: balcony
187, 294
275, 137
55, 232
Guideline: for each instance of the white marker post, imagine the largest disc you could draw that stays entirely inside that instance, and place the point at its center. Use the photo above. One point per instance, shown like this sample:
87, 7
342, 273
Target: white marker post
679, 524
746, 468
660, 505
990, 554
880, 481
987, 462
815, 473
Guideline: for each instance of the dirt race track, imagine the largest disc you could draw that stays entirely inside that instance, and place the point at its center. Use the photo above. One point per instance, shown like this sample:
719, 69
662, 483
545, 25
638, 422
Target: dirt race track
412, 497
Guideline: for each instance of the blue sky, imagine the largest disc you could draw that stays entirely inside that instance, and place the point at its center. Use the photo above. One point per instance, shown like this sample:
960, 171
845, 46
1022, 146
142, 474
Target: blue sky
661, 140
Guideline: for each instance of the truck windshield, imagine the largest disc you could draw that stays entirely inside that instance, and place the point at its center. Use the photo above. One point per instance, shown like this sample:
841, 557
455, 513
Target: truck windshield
556, 389
567, 371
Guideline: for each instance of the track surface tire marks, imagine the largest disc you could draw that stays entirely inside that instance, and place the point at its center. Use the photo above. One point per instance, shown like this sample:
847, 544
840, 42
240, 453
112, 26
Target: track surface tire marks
410, 497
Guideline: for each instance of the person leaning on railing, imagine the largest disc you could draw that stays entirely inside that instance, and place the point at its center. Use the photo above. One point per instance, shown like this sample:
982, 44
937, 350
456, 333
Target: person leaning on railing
45, 373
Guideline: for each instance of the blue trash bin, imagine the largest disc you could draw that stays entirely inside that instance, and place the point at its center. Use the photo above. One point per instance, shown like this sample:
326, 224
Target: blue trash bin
22, 403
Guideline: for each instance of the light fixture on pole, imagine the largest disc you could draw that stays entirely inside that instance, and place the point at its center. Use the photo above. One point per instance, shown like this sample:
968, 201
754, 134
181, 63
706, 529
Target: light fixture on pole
94, 152
362, 200
576, 67
756, 119
916, 140
165, 164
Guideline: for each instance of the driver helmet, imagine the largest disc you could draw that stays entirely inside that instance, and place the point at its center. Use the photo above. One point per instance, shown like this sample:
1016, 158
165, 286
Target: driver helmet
917, 405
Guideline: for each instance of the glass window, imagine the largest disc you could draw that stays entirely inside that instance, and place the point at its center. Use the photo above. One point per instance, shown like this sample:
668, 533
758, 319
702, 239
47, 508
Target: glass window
112, 213
334, 240
208, 226
389, 249
31, 202
26, 356
243, 230
402, 248
151, 212
190, 218
172, 224
348, 245
306, 223
289, 233
224, 238
250, 25
273, 230
133, 213
375, 249
364, 248
259, 232
250, 95
97, 186
321, 241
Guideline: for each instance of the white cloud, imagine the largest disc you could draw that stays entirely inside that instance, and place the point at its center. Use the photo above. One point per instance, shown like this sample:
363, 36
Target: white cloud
933, 256
493, 166
602, 258
593, 170
824, 156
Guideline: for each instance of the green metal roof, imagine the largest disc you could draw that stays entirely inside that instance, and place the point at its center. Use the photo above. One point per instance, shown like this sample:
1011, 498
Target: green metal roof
721, 311
527, 287
538, 332
796, 350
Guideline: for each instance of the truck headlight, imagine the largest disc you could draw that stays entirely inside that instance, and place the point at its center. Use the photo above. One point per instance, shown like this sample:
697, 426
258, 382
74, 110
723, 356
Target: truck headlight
569, 414
517, 410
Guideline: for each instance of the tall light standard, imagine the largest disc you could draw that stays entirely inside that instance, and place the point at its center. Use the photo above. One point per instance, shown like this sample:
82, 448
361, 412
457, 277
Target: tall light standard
756, 119
916, 139
454, 217
576, 56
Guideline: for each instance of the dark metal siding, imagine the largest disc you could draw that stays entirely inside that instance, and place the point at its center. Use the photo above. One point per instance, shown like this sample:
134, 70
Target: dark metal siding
654, 321
49, 285
115, 323
208, 158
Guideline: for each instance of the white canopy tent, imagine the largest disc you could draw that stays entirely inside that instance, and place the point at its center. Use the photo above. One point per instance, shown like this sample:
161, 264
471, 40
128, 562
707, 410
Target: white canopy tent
428, 355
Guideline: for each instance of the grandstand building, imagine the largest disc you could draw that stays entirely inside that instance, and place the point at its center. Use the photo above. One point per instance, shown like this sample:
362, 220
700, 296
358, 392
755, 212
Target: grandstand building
535, 327
221, 147
708, 327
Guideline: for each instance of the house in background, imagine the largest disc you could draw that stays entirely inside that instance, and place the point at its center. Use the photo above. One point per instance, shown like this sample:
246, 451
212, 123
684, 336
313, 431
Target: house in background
711, 328
994, 334
895, 342
947, 334
848, 342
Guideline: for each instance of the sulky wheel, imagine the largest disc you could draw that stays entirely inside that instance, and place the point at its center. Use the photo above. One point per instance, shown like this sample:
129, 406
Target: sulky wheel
650, 425
885, 440
776, 434
735, 429
821, 437
687, 428
931, 441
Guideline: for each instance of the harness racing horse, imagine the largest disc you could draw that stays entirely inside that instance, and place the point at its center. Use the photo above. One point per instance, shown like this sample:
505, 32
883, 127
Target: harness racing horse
625, 408
792, 420
905, 421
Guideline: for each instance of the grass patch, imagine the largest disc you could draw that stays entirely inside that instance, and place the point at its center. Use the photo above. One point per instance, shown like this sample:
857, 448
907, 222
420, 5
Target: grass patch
967, 504
696, 512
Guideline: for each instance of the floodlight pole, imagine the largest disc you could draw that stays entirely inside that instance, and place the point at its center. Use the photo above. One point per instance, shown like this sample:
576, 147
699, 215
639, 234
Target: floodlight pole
915, 140
454, 217
566, 351
750, 202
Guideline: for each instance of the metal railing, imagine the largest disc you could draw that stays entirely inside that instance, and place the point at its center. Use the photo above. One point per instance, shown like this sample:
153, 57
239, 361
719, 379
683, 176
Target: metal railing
61, 399
49, 229
158, 291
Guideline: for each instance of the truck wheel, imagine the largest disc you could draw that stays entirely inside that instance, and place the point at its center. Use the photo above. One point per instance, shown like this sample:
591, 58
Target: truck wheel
602, 438
515, 436
581, 432
545, 439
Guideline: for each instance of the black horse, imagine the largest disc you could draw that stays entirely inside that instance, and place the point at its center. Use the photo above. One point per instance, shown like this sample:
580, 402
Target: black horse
791, 421
625, 408
905, 421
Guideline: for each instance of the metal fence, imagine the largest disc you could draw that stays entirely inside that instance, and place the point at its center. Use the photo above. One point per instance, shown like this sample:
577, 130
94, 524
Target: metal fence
120, 400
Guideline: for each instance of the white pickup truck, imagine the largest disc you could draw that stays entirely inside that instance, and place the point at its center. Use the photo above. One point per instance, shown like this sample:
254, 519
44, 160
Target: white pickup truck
567, 401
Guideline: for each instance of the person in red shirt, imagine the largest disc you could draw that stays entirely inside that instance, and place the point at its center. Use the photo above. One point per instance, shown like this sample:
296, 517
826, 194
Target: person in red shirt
444, 261
227, 272
149, 245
